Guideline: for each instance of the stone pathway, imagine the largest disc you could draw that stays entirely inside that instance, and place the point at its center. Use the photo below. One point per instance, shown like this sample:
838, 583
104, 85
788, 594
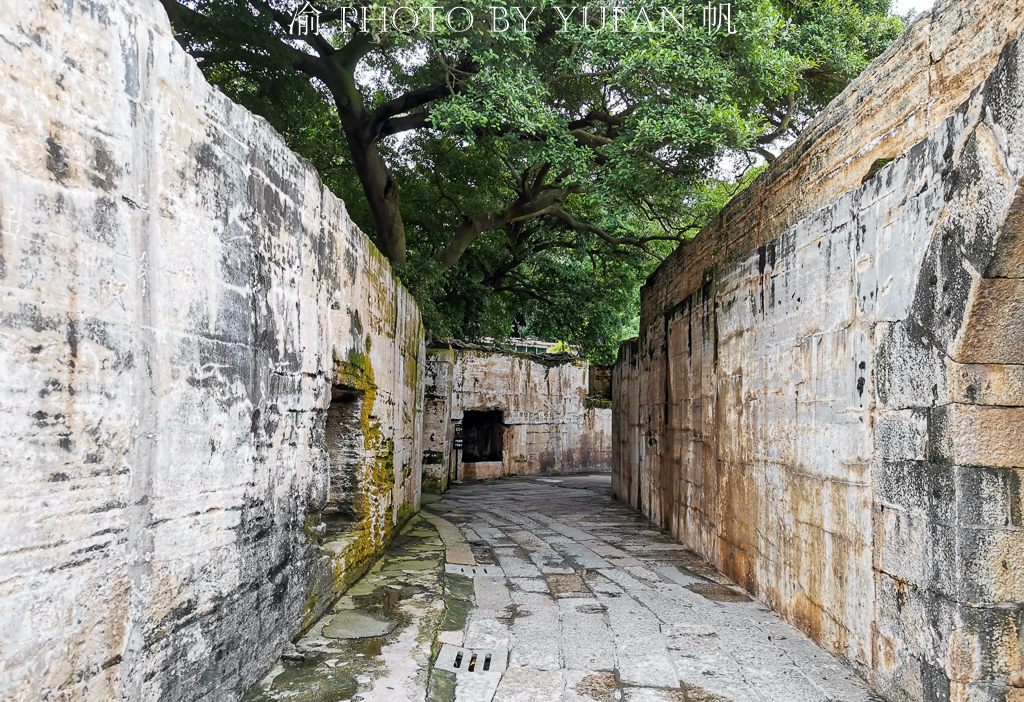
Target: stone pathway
551, 591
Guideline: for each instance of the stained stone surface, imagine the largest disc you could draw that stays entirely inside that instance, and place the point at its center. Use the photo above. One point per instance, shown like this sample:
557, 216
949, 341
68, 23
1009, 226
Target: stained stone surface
826, 396
376, 642
179, 295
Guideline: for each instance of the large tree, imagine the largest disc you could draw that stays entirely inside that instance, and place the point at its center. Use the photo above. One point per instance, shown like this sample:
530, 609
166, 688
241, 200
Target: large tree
551, 146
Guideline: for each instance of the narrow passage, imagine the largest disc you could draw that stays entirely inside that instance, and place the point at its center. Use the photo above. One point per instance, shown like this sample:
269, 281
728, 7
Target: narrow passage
553, 591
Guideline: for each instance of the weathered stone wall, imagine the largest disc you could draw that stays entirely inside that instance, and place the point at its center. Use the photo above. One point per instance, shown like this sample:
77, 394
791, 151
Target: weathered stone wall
551, 426
178, 294
827, 396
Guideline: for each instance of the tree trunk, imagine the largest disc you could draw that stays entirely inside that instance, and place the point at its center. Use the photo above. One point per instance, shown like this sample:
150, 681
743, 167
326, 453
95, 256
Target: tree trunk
382, 195
380, 188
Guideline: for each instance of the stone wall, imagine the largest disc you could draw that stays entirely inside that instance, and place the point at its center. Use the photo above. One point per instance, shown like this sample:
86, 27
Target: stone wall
178, 296
827, 396
550, 425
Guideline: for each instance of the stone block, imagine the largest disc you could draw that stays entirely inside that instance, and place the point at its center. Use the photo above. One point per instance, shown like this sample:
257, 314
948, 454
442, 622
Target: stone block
483, 470
986, 384
902, 545
992, 565
989, 497
971, 435
992, 332
901, 434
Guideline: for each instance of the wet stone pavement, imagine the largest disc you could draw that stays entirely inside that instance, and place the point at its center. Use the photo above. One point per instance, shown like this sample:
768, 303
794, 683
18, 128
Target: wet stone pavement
537, 589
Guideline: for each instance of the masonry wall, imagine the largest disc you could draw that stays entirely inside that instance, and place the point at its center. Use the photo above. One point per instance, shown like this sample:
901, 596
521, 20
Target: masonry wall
551, 424
178, 295
827, 395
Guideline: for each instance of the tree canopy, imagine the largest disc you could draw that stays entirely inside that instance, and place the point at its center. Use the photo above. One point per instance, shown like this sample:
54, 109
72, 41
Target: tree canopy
526, 170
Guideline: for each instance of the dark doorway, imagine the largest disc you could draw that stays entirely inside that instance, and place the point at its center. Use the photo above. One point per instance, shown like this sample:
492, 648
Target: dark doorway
347, 452
483, 434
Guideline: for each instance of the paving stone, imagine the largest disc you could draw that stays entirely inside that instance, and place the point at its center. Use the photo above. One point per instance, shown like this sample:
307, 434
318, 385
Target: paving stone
455, 638
516, 518
530, 685
581, 556
492, 519
585, 638
491, 593
514, 566
526, 539
640, 694
640, 648
535, 634
476, 687
604, 549
536, 631
530, 584
460, 553
494, 537
563, 529
549, 561
562, 585
673, 574
627, 562
486, 632
641, 572
657, 600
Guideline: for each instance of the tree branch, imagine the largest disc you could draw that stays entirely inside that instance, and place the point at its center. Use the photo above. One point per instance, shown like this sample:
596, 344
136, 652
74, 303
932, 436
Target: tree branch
471, 227
405, 103
783, 125
348, 56
417, 120
573, 223
768, 155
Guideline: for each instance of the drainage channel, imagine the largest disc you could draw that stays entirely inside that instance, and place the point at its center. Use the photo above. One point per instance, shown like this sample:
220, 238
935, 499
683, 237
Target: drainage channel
477, 672
472, 571
463, 661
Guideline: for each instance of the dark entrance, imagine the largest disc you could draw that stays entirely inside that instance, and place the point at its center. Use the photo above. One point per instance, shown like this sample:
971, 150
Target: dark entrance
345, 447
482, 434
